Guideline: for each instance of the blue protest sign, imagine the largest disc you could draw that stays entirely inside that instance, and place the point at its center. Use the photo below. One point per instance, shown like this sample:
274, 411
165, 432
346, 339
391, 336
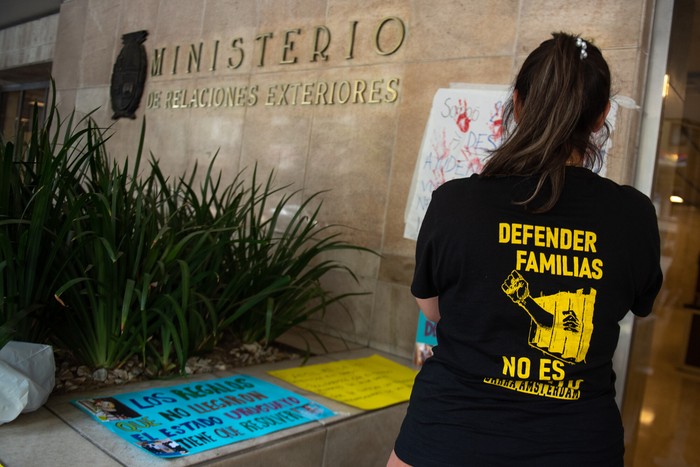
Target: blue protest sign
426, 330
426, 338
190, 418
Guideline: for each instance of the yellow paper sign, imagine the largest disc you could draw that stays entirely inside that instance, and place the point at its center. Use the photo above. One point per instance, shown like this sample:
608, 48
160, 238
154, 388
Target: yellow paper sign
366, 383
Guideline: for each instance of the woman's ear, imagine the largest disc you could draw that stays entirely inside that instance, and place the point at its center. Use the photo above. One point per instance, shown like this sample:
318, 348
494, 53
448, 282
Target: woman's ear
601, 120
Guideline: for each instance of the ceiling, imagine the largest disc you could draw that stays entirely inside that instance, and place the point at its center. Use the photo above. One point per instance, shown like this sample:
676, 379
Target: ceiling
20, 11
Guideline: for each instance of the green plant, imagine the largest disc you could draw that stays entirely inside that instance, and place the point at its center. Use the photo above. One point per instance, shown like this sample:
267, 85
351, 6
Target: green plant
115, 231
281, 247
39, 202
111, 261
141, 263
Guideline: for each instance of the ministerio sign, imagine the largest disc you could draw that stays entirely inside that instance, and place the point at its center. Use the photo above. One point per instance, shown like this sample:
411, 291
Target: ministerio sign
226, 57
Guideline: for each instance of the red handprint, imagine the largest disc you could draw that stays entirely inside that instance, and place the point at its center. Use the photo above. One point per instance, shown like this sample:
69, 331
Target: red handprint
496, 121
462, 120
473, 162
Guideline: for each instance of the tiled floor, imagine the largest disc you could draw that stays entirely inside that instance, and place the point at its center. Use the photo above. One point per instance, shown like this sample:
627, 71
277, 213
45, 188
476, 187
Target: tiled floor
60, 435
668, 434
669, 423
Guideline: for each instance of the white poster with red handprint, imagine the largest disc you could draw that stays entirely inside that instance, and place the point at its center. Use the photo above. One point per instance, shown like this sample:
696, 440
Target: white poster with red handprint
463, 127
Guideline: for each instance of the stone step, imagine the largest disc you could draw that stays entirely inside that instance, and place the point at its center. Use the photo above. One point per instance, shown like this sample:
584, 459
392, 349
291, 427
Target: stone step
59, 434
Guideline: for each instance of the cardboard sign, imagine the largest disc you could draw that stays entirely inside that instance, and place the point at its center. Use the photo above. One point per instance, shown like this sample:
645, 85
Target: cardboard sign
190, 418
426, 338
465, 124
366, 383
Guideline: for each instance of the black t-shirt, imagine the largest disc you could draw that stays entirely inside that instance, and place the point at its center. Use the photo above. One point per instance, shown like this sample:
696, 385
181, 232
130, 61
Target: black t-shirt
530, 305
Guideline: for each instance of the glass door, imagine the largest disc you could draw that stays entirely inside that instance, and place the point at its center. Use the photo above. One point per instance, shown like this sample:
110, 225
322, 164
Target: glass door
668, 424
17, 106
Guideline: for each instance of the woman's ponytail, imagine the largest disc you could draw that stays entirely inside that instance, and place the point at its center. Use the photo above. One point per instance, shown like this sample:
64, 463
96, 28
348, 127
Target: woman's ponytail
560, 93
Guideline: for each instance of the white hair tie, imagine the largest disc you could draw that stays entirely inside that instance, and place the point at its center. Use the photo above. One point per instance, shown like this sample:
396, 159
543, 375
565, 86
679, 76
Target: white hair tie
581, 44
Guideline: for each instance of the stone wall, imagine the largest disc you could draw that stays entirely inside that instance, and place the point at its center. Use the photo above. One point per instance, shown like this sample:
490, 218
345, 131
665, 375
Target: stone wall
29, 43
363, 152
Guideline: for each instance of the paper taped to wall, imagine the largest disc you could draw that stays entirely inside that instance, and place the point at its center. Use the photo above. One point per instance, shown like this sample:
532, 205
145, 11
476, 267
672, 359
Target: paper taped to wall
464, 125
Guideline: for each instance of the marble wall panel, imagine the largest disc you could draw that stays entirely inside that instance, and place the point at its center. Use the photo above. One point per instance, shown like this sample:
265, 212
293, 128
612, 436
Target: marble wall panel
396, 269
614, 160
366, 35
608, 23
421, 81
646, 36
39, 54
226, 21
283, 39
67, 63
622, 159
624, 69
93, 101
168, 138
230, 16
394, 319
395, 312
284, 153
126, 145
447, 29
9, 59
39, 32
215, 130
138, 15
278, 127
178, 20
12, 37
350, 153
28, 43
65, 101
101, 42
303, 449
179, 26
637, 77
367, 443
630, 145
351, 319
365, 264
354, 196
288, 12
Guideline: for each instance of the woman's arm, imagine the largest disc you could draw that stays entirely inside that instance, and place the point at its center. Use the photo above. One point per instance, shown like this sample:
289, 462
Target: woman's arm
430, 308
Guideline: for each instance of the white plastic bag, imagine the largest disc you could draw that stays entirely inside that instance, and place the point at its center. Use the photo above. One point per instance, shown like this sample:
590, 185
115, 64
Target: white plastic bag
27, 377
14, 393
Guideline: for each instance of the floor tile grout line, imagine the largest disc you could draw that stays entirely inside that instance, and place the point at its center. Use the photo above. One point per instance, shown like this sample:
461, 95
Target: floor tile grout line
100, 448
